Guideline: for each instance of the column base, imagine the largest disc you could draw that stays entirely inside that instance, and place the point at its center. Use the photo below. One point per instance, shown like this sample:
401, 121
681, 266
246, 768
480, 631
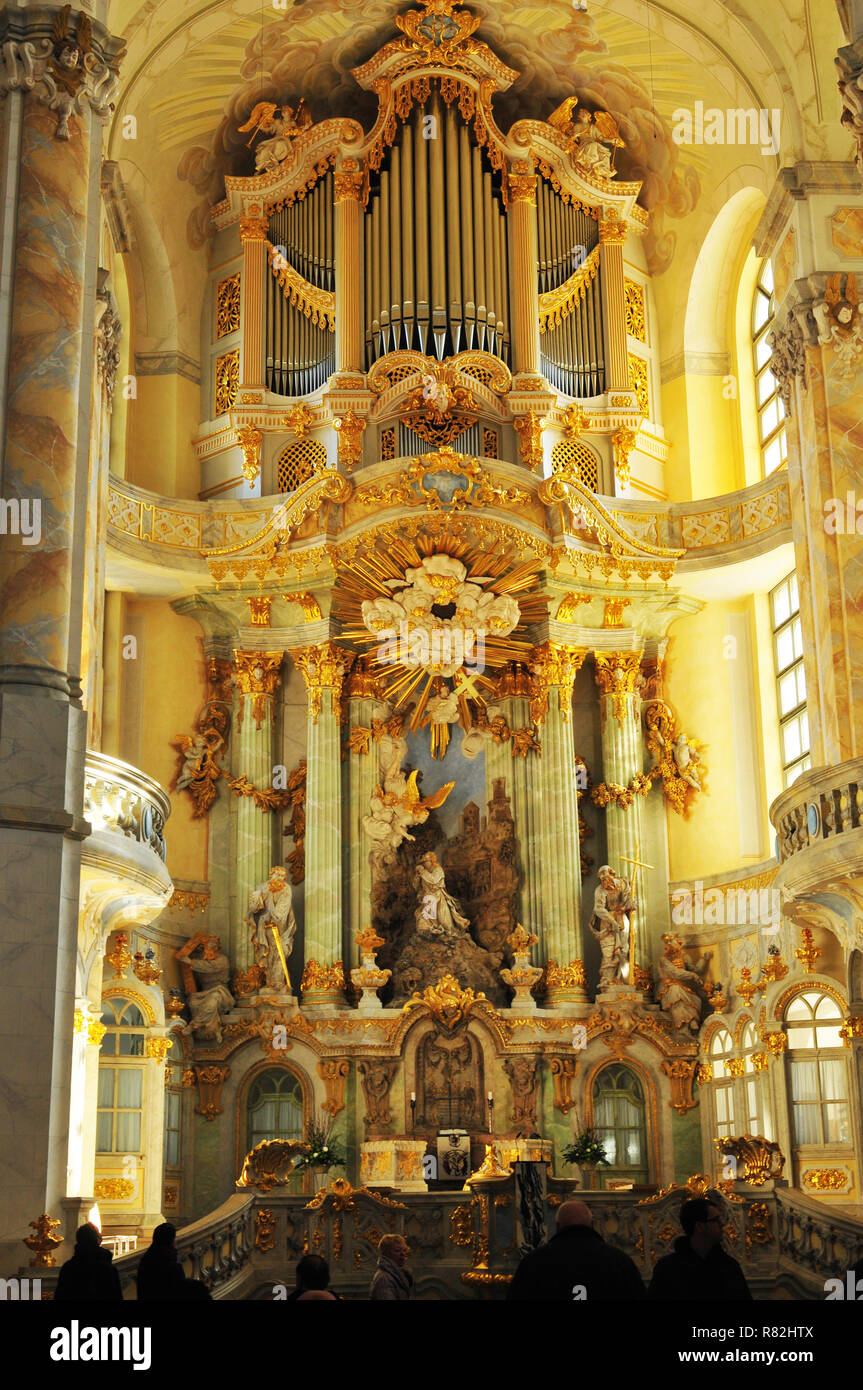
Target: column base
561, 997
324, 999
620, 994
565, 984
75, 1210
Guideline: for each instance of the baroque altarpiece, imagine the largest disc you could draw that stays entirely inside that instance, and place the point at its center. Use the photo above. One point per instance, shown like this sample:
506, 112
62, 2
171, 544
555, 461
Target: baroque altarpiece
435, 757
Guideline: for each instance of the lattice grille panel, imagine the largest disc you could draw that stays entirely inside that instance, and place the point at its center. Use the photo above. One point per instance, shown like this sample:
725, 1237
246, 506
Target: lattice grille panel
299, 462
583, 461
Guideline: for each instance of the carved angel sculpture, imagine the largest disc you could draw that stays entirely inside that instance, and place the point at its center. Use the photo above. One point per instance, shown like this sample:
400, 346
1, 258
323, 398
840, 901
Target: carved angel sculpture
281, 124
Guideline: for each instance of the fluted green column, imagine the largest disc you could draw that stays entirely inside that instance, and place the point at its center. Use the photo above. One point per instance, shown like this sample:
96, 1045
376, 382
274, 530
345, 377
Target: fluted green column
258, 676
617, 675
364, 706
520, 775
324, 669
558, 860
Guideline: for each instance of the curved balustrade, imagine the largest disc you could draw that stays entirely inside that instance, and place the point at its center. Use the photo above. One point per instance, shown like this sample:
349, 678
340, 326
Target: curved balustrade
217, 1249
818, 807
819, 1243
711, 531
121, 799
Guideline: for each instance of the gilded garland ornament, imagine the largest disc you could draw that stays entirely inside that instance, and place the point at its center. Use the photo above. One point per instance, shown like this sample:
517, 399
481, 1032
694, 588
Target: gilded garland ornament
614, 794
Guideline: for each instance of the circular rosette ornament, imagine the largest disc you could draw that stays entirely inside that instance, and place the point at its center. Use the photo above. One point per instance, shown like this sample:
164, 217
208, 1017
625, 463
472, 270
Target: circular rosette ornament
440, 619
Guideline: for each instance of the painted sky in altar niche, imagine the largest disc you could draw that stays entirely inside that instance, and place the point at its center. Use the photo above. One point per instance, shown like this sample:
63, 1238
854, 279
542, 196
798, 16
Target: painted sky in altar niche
467, 773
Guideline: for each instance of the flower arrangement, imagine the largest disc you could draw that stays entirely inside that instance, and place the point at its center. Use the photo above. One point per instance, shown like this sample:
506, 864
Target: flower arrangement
585, 1148
323, 1150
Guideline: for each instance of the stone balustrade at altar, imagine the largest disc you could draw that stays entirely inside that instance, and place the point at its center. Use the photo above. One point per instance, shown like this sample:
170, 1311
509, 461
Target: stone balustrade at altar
461, 1248
153, 532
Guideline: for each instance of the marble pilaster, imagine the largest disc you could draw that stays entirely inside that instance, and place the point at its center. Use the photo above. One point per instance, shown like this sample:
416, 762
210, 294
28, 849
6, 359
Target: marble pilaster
363, 775
617, 675
324, 668
523, 258
612, 237
519, 776
253, 756
51, 154
557, 860
253, 234
349, 345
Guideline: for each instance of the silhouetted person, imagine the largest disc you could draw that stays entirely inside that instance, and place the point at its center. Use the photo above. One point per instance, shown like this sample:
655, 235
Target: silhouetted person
313, 1276
90, 1273
318, 1295
160, 1275
392, 1281
698, 1267
576, 1265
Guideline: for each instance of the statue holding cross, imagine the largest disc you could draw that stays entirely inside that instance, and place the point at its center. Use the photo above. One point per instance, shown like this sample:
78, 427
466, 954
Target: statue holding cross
613, 908
613, 922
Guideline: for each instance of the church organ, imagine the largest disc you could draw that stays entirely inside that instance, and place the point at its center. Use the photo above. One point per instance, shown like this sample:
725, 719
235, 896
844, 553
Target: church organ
371, 257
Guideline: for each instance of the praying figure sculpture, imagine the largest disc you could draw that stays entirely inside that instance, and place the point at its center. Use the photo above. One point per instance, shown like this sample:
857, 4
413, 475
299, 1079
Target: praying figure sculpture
271, 918
680, 989
438, 914
613, 908
206, 980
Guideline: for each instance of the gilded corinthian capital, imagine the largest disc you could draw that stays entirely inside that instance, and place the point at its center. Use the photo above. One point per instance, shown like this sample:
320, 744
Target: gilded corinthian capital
617, 675
324, 668
553, 664
258, 675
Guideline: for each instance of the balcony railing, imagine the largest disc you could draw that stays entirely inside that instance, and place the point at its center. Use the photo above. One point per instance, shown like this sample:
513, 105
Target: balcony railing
121, 799
819, 806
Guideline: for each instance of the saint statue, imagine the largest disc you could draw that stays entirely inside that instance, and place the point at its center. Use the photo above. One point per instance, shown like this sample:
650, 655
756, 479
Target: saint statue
206, 979
271, 918
680, 989
613, 908
438, 914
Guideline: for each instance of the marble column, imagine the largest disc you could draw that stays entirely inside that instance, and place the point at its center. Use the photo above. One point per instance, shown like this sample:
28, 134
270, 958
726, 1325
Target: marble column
253, 235
612, 236
523, 269
324, 668
253, 756
557, 860
521, 776
349, 344
50, 155
363, 775
617, 675
818, 362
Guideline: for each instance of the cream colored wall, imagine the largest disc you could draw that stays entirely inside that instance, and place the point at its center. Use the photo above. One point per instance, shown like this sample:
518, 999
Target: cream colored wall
701, 672
162, 422
744, 369
160, 693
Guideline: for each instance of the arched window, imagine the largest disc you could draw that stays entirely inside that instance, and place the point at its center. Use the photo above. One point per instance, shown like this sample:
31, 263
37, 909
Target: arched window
121, 1078
173, 1099
274, 1109
620, 1123
721, 1050
757, 1121
818, 1070
771, 411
